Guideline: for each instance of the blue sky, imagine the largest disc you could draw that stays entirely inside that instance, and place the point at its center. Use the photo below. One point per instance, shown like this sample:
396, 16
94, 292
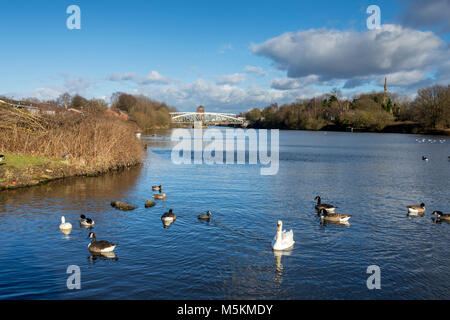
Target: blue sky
227, 55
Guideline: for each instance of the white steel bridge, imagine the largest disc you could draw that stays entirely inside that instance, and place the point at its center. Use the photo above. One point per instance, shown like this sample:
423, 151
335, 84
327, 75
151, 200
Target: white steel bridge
208, 118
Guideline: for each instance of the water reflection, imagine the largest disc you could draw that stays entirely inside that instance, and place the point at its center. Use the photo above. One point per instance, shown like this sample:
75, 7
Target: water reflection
278, 254
102, 256
371, 176
334, 223
66, 232
439, 221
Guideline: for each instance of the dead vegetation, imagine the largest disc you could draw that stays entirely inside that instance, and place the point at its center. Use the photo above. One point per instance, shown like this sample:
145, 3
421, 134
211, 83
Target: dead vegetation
92, 142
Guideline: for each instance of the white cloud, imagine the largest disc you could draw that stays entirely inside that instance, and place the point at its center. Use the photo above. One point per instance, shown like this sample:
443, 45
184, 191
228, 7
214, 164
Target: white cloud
290, 83
284, 84
154, 77
234, 78
186, 96
256, 70
403, 78
355, 56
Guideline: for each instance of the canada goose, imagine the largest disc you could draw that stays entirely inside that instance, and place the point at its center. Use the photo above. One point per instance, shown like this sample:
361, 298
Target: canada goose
334, 217
283, 239
169, 217
2, 157
416, 210
159, 196
86, 222
65, 226
442, 216
319, 205
424, 158
100, 246
157, 188
205, 216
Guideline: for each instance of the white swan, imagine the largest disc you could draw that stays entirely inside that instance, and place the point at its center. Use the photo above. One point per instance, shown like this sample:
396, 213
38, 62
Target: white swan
65, 226
283, 239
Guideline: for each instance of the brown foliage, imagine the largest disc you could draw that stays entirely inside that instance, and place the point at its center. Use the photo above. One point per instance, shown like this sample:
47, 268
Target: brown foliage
95, 143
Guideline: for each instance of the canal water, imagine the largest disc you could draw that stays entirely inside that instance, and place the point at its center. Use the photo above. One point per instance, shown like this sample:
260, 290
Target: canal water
370, 176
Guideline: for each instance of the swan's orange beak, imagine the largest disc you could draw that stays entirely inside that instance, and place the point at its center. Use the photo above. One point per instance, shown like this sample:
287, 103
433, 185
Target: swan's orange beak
278, 228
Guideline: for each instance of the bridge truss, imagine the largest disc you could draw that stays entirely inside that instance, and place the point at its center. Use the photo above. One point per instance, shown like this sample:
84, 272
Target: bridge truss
207, 118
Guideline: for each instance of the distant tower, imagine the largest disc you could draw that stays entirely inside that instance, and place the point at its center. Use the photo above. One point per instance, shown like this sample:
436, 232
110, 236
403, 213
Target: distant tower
200, 117
385, 97
386, 100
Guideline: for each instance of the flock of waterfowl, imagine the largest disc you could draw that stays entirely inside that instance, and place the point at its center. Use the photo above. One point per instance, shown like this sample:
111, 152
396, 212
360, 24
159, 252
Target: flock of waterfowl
106, 247
283, 239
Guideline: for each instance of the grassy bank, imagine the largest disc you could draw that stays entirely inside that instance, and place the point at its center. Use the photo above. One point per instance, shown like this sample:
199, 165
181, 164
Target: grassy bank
38, 149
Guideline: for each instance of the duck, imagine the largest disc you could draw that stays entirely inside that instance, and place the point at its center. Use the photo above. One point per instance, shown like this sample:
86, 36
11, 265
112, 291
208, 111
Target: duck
416, 209
101, 246
424, 158
334, 217
319, 205
169, 217
442, 216
86, 222
159, 196
205, 216
2, 157
283, 239
65, 226
157, 188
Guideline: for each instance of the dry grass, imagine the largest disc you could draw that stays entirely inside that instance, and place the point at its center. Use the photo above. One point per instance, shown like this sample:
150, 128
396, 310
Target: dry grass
94, 142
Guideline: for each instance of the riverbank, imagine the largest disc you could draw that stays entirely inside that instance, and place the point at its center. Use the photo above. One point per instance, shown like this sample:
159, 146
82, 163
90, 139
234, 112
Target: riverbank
407, 127
18, 171
40, 149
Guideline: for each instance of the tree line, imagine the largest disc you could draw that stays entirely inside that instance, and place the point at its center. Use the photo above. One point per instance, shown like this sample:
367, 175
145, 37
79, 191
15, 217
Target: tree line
371, 111
147, 113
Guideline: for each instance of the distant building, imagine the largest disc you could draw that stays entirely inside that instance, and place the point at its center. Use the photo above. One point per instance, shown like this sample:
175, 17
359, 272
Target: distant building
118, 113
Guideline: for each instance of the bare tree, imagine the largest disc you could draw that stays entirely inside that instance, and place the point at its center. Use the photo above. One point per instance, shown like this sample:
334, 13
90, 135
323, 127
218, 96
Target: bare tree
432, 106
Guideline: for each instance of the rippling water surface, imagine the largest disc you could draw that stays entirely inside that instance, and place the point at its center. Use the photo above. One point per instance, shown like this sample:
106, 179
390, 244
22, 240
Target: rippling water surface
370, 176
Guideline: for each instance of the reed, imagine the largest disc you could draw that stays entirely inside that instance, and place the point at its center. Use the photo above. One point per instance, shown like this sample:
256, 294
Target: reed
94, 142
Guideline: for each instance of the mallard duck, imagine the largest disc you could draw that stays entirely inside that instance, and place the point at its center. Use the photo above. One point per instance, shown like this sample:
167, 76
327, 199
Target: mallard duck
86, 222
65, 226
205, 216
442, 216
319, 205
159, 196
157, 188
283, 239
169, 217
101, 246
334, 217
416, 210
